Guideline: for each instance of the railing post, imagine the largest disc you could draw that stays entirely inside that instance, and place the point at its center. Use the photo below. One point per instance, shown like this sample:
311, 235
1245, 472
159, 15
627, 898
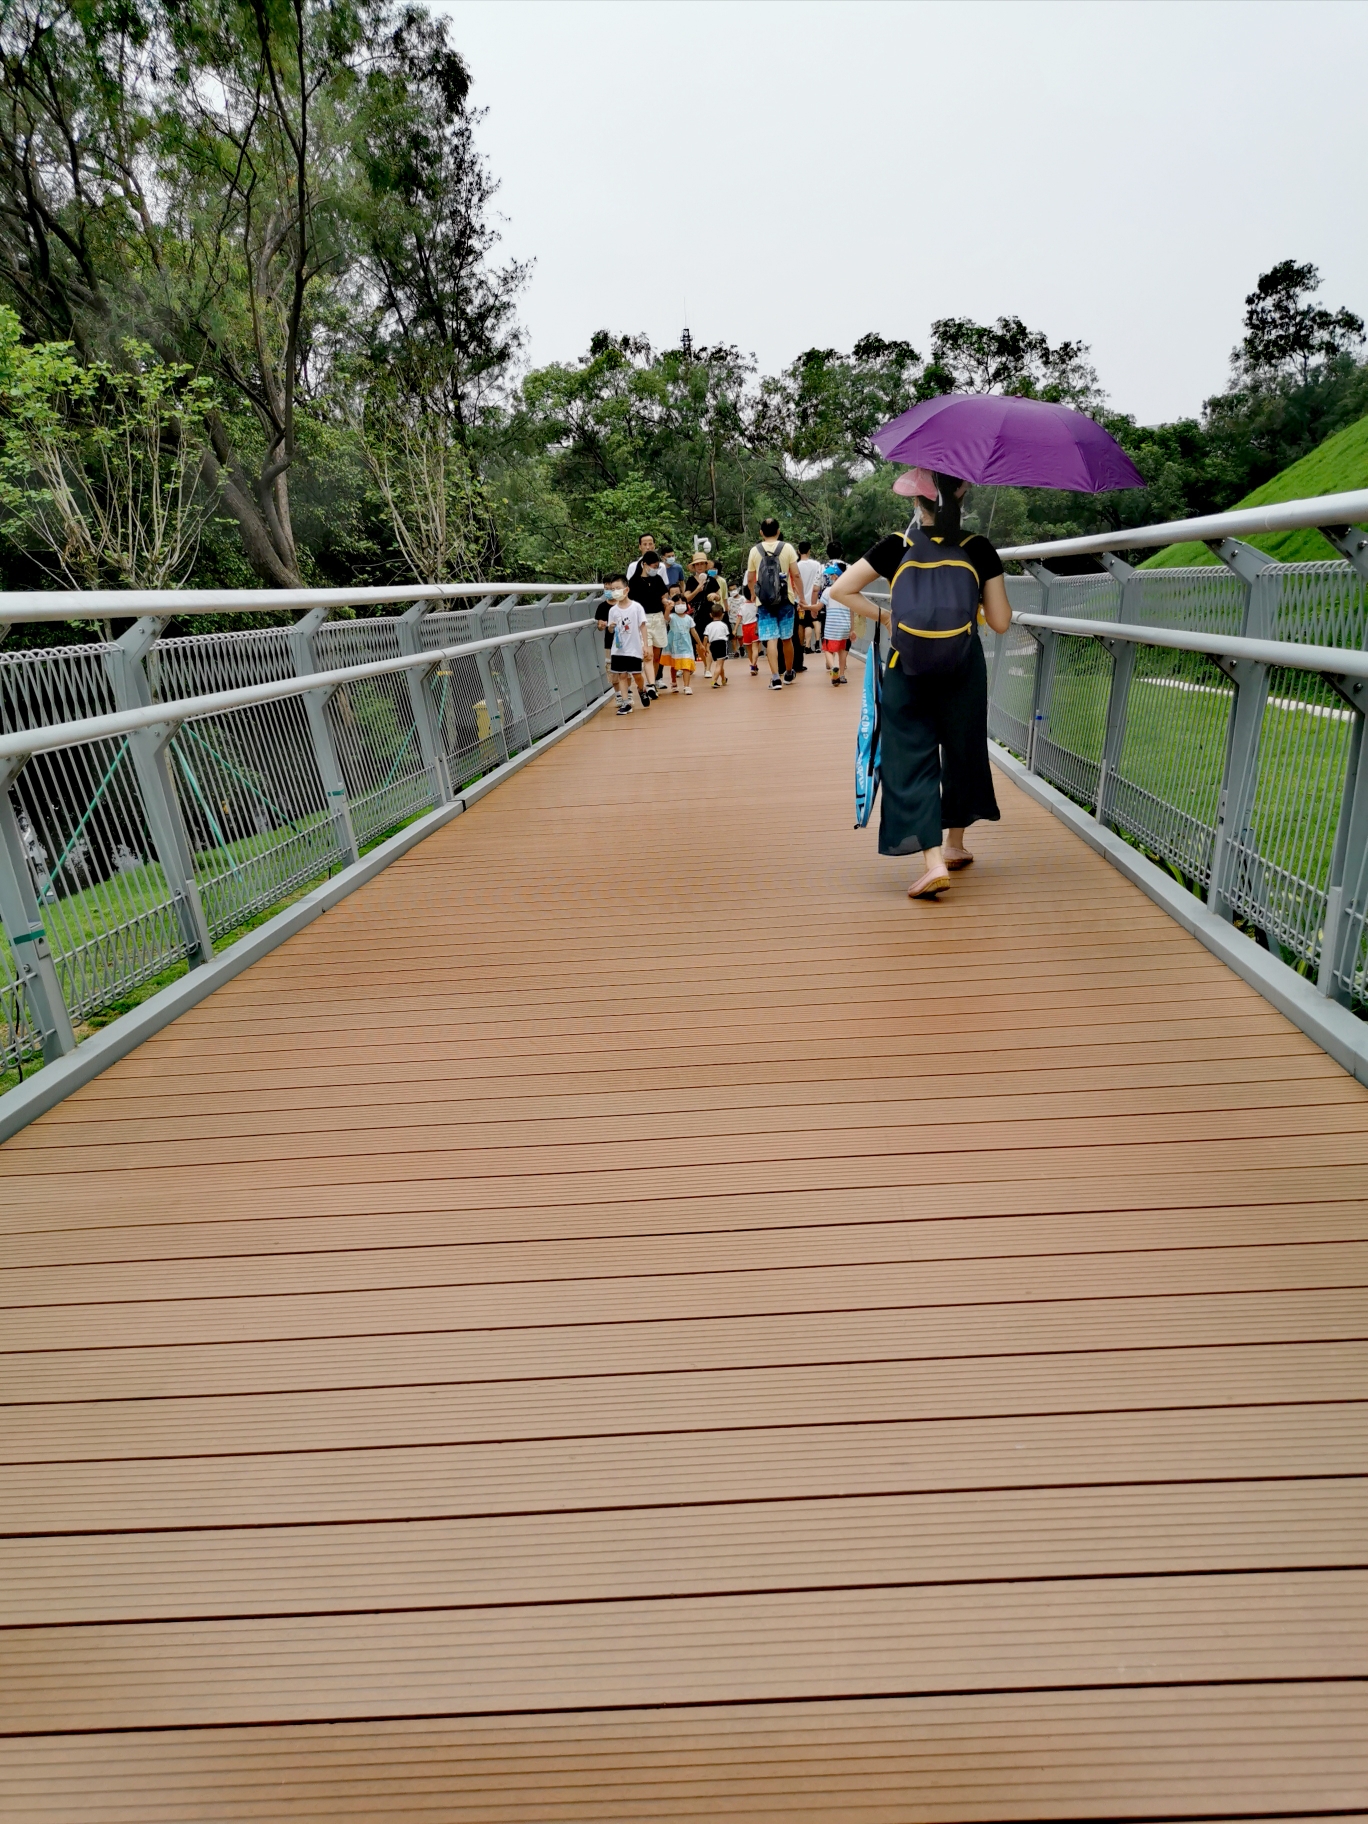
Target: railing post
1347, 896
543, 651
498, 628
408, 629
1043, 683
1240, 774
304, 652
563, 652
492, 707
1118, 694
149, 749
22, 920
1352, 543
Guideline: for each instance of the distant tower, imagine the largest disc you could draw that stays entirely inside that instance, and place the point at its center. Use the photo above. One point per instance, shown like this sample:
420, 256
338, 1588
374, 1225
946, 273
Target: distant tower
686, 344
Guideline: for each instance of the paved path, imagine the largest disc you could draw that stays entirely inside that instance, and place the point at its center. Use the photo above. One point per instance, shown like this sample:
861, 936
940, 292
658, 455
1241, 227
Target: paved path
628, 1318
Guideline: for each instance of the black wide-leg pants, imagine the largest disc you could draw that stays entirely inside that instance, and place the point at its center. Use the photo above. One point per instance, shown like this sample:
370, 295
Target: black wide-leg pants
935, 774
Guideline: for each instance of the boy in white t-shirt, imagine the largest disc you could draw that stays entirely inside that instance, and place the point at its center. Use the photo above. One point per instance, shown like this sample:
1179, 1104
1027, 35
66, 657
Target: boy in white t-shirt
625, 621
718, 635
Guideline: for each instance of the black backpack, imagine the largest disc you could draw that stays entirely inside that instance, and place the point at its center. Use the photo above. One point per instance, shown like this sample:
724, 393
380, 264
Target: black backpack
771, 588
935, 601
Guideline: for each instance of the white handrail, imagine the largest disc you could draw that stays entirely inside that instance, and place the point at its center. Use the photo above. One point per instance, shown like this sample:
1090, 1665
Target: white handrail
102, 604
183, 709
1284, 516
1337, 661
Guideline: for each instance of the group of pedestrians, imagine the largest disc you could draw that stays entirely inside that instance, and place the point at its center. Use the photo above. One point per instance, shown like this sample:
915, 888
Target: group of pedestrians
930, 695
663, 623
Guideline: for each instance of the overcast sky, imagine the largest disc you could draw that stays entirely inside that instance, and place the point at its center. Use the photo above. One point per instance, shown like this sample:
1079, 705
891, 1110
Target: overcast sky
794, 173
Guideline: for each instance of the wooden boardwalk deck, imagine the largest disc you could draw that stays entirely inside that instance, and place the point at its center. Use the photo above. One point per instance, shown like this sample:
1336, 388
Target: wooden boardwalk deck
627, 1318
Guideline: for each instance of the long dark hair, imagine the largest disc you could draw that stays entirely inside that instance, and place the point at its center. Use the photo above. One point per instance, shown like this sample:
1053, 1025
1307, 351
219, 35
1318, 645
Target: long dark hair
946, 523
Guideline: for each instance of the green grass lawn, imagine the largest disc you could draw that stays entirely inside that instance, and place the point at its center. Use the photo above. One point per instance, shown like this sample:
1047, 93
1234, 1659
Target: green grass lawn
1333, 467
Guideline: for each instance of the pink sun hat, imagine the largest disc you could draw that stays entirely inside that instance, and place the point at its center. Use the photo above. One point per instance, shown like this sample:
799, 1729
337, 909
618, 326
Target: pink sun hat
916, 484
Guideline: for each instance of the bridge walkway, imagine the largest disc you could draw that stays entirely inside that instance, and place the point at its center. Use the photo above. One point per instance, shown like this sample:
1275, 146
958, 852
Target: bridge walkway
628, 1317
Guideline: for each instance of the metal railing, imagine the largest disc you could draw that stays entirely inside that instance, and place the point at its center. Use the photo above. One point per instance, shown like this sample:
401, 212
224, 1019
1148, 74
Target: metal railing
1212, 715
163, 794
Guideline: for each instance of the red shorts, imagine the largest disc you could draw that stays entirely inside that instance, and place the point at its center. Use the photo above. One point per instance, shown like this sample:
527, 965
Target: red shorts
750, 633
834, 645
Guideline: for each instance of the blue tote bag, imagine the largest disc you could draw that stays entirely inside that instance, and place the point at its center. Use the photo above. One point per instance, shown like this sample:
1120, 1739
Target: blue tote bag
867, 742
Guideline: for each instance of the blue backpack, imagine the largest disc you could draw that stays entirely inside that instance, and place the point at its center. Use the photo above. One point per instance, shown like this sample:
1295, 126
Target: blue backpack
867, 742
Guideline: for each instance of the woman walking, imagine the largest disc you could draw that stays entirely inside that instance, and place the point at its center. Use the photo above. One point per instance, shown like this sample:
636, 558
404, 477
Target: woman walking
936, 779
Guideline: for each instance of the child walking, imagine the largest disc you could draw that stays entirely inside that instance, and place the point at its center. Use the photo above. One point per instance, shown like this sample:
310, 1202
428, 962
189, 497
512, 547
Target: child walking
679, 644
718, 635
836, 626
625, 621
750, 629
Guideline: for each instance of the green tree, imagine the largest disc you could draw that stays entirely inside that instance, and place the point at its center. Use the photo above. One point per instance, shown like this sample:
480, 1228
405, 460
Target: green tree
1007, 357
102, 468
1285, 332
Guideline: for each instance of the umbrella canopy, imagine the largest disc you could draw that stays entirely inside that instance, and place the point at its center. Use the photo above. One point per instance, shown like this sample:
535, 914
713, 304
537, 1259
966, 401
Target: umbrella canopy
1023, 443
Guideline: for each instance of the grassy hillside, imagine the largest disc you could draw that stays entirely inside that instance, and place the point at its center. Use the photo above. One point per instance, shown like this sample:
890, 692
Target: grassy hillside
1335, 466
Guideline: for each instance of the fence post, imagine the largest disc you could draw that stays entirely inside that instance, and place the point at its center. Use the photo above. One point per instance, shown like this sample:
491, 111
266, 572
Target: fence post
1347, 895
541, 610
499, 619
493, 708
408, 628
1043, 683
1118, 694
1240, 774
563, 651
151, 763
303, 650
22, 920
1352, 543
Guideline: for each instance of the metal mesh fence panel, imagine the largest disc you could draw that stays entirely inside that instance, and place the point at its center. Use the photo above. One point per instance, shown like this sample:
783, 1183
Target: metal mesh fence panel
1085, 598
1009, 708
254, 810
1280, 864
469, 726
1205, 599
377, 747
1025, 594
1168, 782
18, 1039
1321, 605
109, 913
247, 783
54, 684
516, 735
1069, 751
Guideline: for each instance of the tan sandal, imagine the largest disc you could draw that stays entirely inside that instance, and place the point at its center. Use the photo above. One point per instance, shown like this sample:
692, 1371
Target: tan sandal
934, 881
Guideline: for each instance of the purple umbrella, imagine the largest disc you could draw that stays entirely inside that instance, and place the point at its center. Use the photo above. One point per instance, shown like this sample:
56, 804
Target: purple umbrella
1023, 443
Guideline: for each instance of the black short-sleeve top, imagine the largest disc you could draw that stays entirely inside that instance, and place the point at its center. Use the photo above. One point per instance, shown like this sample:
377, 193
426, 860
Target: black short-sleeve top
890, 552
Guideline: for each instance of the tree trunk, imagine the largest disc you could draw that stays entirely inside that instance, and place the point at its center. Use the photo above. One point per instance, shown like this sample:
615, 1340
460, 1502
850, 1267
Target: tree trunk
278, 568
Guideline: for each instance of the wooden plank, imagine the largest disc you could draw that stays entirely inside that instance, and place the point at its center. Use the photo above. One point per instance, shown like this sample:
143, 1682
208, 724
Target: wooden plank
606, 1405
1210, 1753
666, 1469
1328, 1320
808, 1644
676, 1236
668, 1298
442, 1318
691, 1550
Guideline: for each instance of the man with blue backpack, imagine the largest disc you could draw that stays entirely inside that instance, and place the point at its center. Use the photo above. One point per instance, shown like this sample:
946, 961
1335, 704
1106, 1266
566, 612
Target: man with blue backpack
777, 587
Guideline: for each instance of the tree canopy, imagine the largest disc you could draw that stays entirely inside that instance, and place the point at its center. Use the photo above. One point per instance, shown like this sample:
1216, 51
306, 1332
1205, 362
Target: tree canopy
255, 327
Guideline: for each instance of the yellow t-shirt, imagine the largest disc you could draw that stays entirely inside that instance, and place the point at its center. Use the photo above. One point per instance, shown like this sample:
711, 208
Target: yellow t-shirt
788, 560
